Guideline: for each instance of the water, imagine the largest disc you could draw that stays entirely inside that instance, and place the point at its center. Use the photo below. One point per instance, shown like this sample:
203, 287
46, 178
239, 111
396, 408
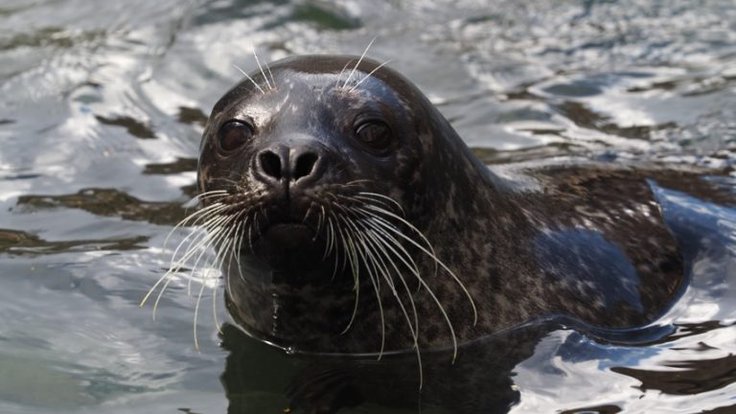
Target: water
102, 106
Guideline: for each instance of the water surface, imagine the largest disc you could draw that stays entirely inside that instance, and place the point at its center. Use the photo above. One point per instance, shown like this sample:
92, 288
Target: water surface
101, 109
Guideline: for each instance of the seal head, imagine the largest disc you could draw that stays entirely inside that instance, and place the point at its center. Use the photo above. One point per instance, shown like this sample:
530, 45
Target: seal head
350, 217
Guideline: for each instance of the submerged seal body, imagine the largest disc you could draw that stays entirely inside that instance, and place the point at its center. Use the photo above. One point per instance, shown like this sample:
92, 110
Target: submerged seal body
351, 218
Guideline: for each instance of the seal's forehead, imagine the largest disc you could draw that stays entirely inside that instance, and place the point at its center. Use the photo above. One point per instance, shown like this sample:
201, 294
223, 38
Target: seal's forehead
309, 76
345, 68
286, 80
324, 63
345, 84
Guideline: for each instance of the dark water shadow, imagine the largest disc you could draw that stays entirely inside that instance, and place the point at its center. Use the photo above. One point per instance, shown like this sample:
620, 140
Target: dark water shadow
480, 379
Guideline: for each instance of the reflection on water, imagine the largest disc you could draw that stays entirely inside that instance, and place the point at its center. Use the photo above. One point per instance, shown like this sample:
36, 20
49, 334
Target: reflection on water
100, 118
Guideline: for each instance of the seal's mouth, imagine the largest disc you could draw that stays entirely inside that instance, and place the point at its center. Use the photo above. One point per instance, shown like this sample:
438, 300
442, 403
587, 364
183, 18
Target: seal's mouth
289, 246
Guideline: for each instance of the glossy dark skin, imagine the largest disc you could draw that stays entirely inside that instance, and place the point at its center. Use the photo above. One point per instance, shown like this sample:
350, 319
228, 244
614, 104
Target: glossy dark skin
583, 240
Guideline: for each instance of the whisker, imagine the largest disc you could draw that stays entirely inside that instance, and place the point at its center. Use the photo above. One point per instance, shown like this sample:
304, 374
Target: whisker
250, 79
273, 80
343, 68
358, 64
376, 265
226, 180
378, 243
375, 243
212, 231
424, 284
195, 234
320, 222
194, 218
429, 253
432, 253
202, 241
167, 275
196, 315
356, 182
383, 197
225, 250
330, 237
333, 245
258, 62
369, 74
205, 242
240, 234
221, 242
229, 246
405, 254
214, 309
349, 251
373, 278
169, 279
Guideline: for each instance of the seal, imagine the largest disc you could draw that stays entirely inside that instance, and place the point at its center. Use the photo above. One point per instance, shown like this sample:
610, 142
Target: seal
350, 217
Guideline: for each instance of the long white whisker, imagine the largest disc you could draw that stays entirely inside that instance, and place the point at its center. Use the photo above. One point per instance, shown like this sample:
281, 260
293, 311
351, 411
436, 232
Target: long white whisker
228, 246
370, 199
169, 279
350, 257
205, 210
375, 243
383, 197
226, 249
250, 79
432, 253
212, 231
168, 273
358, 64
343, 69
273, 80
258, 62
369, 74
194, 235
196, 315
214, 309
330, 236
333, 245
373, 278
404, 253
427, 252
378, 244
221, 244
240, 234
372, 223
202, 244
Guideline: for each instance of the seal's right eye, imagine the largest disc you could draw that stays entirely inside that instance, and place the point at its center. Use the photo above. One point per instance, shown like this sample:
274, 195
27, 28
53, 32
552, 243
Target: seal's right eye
375, 134
234, 134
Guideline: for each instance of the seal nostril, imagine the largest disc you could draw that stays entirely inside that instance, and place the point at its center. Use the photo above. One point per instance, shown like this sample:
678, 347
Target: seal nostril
271, 164
304, 165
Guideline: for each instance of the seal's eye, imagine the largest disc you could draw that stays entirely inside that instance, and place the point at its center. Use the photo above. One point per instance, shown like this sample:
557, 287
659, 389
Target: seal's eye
374, 133
234, 134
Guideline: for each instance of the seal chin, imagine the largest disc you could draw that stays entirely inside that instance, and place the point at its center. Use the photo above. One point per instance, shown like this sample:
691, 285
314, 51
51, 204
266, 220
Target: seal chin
289, 247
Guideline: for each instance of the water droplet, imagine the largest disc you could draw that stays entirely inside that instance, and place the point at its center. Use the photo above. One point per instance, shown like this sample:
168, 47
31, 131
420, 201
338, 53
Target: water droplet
290, 350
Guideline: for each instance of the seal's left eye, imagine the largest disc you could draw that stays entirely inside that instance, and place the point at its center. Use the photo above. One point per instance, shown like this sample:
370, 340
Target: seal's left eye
234, 134
375, 134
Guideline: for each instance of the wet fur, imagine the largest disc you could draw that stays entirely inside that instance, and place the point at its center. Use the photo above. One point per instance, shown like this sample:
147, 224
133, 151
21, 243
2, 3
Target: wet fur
564, 245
